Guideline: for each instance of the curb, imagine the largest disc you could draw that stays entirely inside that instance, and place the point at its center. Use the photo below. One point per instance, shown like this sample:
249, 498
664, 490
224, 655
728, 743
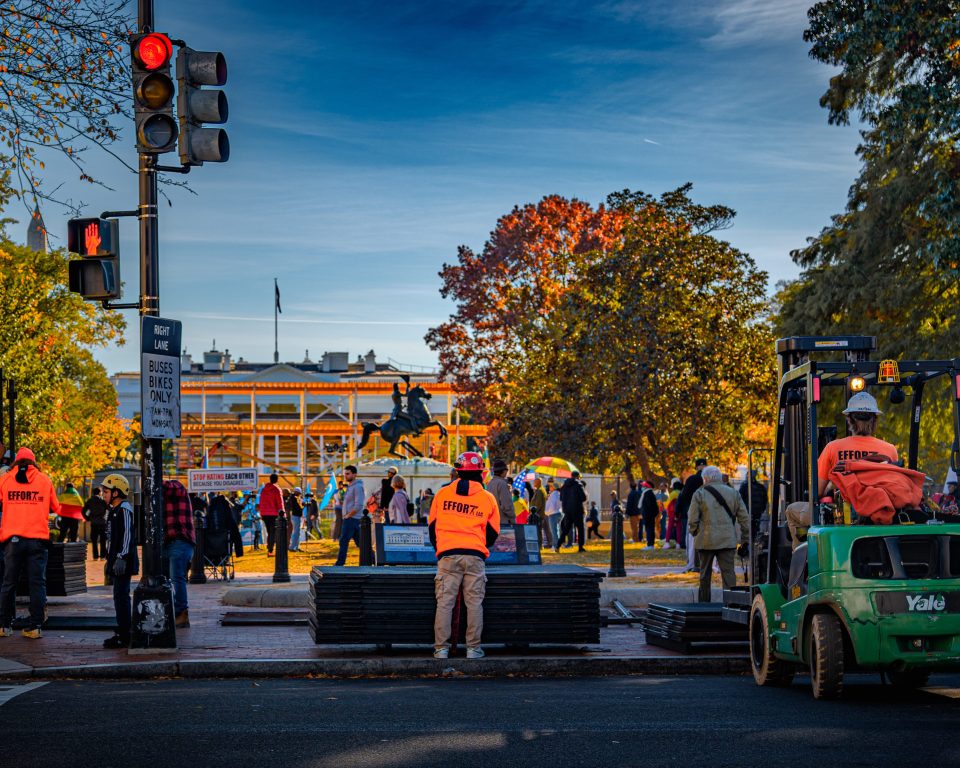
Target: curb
392, 668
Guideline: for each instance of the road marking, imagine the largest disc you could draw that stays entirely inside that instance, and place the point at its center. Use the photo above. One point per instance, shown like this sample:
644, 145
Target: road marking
950, 693
8, 692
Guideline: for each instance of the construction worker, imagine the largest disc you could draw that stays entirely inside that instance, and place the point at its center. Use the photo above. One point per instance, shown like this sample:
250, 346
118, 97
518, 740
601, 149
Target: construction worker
27, 497
861, 412
464, 522
122, 559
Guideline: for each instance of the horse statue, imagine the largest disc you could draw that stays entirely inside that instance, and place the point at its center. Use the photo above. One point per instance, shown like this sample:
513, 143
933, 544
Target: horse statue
411, 421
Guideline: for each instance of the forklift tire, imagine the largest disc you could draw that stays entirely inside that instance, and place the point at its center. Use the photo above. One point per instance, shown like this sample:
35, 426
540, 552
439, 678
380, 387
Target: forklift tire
826, 656
909, 678
767, 668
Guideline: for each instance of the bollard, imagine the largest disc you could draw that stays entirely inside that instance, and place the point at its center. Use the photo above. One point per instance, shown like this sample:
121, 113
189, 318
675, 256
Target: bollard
197, 576
280, 572
366, 539
616, 545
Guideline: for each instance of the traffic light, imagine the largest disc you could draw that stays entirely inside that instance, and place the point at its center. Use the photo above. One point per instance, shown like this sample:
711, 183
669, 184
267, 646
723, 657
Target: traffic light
96, 274
196, 107
153, 92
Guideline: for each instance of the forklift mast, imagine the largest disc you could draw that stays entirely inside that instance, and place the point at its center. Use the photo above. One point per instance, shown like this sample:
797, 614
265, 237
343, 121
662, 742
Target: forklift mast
795, 419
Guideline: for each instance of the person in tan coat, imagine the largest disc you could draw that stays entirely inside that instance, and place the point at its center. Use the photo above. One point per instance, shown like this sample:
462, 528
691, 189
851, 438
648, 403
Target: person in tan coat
719, 523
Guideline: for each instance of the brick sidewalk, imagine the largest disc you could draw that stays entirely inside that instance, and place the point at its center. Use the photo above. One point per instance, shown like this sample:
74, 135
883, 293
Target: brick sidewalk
207, 640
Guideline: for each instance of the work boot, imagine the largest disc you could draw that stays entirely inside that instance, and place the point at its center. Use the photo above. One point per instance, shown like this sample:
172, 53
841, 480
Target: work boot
34, 633
116, 642
182, 619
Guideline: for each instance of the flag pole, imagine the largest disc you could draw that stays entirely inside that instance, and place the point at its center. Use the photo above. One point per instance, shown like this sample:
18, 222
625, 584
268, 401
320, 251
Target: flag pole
276, 306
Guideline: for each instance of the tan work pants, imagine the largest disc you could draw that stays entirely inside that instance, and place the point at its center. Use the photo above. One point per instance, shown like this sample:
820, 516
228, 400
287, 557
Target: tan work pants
451, 572
798, 516
728, 571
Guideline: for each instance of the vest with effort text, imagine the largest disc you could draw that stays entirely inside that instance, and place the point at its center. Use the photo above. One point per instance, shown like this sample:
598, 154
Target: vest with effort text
460, 522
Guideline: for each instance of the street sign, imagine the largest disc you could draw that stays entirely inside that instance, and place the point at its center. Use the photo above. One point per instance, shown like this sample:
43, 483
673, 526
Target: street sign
160, 377
224, 480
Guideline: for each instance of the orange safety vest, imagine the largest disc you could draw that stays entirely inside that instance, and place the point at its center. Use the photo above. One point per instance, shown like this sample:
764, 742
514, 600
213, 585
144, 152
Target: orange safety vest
460, 522
878, 490
26, 506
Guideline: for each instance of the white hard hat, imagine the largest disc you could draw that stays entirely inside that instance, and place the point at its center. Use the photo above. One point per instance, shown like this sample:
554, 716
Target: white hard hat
862, 402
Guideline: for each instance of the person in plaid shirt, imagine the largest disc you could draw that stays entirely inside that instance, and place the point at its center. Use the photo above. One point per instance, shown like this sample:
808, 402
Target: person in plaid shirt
178, 543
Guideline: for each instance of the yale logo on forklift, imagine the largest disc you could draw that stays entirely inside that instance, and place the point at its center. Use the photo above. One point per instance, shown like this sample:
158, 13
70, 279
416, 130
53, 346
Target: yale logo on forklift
926, 603
889, 603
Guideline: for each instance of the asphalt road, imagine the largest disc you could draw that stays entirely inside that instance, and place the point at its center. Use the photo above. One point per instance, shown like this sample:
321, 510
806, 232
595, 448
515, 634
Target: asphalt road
461, 723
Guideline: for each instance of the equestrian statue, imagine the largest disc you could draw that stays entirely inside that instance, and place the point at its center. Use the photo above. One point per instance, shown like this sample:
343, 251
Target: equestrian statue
411, 420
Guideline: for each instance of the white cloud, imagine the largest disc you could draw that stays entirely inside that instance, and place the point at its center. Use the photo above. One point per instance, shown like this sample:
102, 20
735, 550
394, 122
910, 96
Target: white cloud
757, 21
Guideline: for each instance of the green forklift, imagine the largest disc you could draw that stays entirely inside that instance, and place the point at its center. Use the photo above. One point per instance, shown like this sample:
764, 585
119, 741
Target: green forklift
848, 595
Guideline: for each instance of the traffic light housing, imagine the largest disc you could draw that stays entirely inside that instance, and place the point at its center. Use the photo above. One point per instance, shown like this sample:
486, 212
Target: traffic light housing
195, 107
153, 93
96, 274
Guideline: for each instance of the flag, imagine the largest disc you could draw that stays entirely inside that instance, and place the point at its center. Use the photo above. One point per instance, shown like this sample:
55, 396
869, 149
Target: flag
519, 480
330, 490
276, 296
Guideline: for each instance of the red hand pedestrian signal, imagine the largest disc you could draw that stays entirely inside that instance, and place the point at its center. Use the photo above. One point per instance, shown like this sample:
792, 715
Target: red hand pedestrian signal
91, 238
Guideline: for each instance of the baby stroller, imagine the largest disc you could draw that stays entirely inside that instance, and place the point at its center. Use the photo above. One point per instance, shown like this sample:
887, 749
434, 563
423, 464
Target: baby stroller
221, 540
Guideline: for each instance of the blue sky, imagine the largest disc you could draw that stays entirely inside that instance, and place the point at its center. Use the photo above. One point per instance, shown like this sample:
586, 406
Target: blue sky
369, 141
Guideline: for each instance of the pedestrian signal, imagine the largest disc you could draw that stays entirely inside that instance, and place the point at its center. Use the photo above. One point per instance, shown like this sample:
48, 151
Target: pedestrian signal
96, 274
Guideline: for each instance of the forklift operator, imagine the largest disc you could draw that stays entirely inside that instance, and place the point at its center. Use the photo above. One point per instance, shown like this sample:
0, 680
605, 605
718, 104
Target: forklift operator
860, 445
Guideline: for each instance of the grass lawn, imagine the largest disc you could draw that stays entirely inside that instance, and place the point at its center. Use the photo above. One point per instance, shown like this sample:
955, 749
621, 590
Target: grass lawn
325, 553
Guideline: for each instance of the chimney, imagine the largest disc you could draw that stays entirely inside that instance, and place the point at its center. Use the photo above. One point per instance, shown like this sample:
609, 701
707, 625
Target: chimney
370, 362
186, 362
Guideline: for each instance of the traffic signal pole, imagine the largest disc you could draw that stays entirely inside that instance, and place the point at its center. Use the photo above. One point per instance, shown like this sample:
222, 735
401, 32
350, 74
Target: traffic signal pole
153, 624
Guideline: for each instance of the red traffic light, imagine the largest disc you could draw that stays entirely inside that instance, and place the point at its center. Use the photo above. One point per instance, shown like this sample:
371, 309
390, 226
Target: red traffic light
154, 50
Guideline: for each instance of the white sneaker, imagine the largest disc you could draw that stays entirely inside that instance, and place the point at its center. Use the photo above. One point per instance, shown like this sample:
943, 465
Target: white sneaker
6, 631
441, 653
475, 653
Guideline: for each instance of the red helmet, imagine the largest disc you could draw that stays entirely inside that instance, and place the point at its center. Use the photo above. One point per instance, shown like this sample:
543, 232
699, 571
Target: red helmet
470, 461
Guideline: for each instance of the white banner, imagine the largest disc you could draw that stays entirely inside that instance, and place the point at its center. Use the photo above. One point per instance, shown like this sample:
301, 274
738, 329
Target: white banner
206, 480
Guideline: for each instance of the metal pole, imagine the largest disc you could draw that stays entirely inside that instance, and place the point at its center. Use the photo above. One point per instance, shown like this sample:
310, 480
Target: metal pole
281, 572
149, 629
616, 545
11, 415
366, 539
276, 344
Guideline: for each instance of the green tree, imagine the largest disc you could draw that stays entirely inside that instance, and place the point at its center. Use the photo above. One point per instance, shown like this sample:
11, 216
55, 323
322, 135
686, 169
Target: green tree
888, 265
66, 407
656, 347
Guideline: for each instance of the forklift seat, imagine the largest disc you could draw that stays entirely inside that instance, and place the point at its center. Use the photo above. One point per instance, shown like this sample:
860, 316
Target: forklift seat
797, 581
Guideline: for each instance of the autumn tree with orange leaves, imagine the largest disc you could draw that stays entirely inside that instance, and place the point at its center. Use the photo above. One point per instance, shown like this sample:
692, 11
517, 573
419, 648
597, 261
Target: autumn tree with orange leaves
64, 79
66, 405
623, 337
532, 257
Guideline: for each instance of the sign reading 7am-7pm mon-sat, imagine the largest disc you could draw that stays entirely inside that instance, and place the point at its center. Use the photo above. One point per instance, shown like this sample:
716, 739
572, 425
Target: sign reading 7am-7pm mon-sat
160, 377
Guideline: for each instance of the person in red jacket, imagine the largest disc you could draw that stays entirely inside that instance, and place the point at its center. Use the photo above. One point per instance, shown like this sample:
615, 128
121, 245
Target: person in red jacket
464, 522
27, 498
271, 505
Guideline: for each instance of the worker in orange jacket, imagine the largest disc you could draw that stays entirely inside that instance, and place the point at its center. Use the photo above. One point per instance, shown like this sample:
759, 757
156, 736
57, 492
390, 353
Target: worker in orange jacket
464, 522
27, 498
